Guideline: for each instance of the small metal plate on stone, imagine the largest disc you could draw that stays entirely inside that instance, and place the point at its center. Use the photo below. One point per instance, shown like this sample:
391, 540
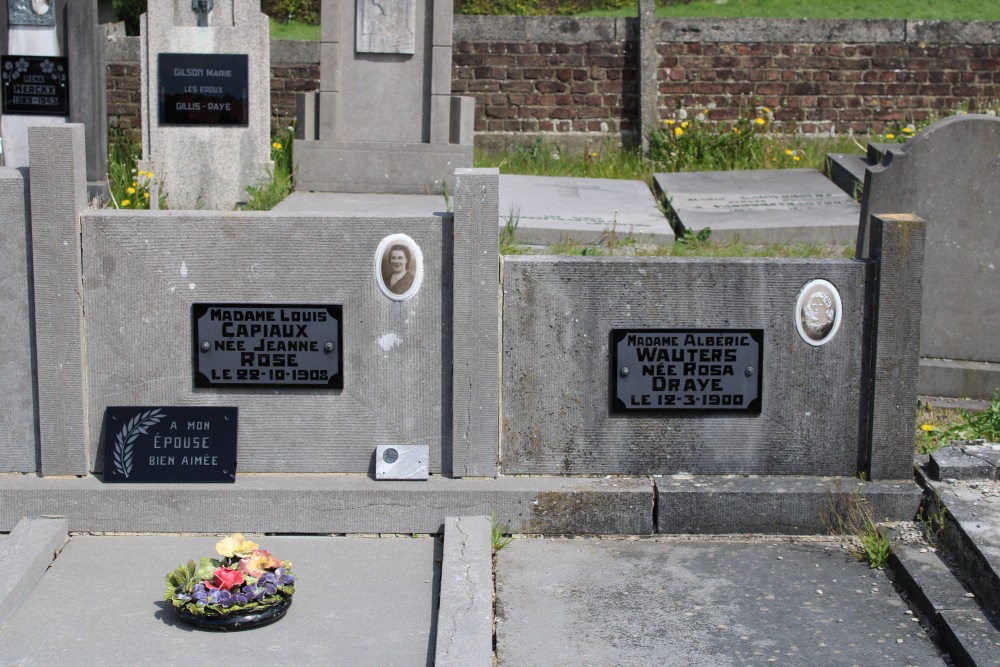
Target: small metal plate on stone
241, 345
170, 444
35, 85
204, 89
687, 369
401, 461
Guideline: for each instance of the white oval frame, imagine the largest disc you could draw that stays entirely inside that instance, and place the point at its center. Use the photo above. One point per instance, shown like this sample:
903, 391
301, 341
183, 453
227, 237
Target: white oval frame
416, 259
838, 310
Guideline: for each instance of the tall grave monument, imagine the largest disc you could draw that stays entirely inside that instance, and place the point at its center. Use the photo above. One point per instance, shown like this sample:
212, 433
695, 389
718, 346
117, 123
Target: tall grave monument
205, 99
384, 119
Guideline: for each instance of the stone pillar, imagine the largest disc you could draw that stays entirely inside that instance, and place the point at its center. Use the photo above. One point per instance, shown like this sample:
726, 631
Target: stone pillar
88, 85
58, 197
649, 61
897, 253
476, 324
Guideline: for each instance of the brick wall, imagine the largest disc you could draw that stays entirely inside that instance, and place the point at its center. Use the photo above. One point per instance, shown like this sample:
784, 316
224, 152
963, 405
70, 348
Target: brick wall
564, 76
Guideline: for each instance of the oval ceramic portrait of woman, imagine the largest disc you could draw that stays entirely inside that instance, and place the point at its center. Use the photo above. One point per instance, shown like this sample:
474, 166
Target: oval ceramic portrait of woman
399, 267
817, 312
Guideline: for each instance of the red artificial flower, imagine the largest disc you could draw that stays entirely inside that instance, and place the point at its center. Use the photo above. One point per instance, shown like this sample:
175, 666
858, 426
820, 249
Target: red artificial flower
225, 579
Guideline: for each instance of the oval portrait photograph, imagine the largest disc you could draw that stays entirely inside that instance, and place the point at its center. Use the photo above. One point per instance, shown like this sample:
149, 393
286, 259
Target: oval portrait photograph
817, 312
399, 267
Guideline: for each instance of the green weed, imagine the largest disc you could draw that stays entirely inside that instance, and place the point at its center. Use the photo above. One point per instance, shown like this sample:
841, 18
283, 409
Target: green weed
499, 533
851, 516
267, 195
127, 184
934, 426
508, 241
983, 425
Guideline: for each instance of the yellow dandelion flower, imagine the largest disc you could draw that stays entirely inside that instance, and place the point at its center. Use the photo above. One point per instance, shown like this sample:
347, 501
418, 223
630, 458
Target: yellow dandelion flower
736, 130
142, 173
149, 174
670, 121
760, 121
766, 110
890, 135
685, 124
909, 129
678, 131
926, 427
126, 202
705, 111
788, 151
276, 146
146, 195
593, 155
131, 191
796, 158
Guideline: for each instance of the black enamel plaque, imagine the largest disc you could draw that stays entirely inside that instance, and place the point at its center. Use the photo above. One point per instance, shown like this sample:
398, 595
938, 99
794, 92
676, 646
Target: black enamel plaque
204, 89
35, 85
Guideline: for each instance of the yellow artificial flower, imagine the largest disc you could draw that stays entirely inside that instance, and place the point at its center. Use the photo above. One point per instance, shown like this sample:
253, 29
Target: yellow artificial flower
760, 121
126, 202
926, 427
678, 131
276, 146
234, 545
890, 135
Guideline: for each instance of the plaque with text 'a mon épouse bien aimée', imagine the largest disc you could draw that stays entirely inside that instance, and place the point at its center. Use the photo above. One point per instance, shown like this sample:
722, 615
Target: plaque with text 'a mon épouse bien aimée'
170, 444
687, 369
276, 345
204, 89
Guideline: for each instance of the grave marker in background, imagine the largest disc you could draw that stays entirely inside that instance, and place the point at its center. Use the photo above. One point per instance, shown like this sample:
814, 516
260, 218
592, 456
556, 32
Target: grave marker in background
384, 120
206, 101
761, 206
947, 174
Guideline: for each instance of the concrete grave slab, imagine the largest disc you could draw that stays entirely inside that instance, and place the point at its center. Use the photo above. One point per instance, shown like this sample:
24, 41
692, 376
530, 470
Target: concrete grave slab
574, 602
762, 206
359, 601
550, 209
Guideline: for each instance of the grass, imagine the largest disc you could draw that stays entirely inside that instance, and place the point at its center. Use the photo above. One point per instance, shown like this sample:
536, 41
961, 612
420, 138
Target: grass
294, 30
948, 10
499, 534
851, 516
935, 427
266, 196
128, 186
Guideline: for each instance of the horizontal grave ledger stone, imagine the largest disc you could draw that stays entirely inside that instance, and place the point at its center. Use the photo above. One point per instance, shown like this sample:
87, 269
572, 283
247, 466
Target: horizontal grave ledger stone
267, 345
761, 206
170, 444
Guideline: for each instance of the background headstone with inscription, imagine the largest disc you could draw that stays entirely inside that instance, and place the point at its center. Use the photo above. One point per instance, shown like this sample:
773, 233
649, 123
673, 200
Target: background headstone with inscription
33, 55
205, 100
384, 120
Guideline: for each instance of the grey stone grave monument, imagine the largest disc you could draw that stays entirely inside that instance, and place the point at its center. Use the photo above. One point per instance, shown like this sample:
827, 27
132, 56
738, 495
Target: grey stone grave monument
947, 175
205, 100
761, 206
32, 96
384, 120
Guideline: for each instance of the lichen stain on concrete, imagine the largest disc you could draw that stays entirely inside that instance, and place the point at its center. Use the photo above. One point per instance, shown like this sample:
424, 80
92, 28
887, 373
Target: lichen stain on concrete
389, 341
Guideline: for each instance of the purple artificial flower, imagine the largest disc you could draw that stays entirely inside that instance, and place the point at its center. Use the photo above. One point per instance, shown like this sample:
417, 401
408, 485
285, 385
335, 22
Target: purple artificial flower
200, 594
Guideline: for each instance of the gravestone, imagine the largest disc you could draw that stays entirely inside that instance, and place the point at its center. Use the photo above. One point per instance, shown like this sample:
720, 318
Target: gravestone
35, 85
205, 100
384, 119
761, 206
946, 174
550, 209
